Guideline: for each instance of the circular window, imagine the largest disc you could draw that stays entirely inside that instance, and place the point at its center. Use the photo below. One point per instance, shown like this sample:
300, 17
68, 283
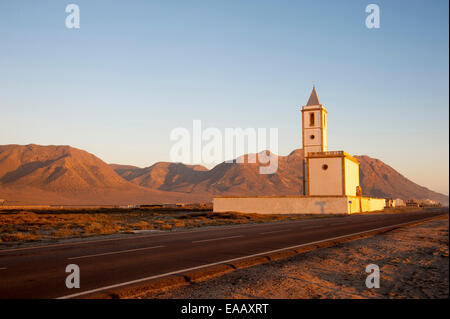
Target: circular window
312, 137
324, 167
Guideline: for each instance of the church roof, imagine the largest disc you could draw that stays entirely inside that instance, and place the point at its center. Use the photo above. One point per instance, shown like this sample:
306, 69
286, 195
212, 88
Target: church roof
313, 98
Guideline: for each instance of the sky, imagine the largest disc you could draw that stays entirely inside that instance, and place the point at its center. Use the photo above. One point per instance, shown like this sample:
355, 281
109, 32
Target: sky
135, 70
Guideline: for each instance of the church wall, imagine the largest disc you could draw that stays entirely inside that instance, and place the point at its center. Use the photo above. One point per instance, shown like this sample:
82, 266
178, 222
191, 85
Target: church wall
373, 204
313, 136
324, 132
354, 205
306, 119
365, 204
325, 182
315, 148
351, 177
282, 205
297, 204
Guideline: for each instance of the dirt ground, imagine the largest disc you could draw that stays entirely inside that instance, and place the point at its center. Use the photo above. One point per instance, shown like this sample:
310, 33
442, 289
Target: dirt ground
413, 263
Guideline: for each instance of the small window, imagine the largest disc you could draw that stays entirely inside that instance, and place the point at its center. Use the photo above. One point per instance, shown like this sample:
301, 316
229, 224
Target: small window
311, 119
324, 167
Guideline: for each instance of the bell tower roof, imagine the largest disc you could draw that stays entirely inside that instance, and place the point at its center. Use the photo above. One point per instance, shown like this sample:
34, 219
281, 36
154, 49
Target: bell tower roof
313, 98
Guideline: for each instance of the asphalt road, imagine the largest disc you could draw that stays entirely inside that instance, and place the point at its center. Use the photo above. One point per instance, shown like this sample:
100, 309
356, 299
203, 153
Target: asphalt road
39, 272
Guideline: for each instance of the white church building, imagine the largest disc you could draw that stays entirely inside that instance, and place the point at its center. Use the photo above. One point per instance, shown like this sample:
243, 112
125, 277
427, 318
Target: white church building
331, 178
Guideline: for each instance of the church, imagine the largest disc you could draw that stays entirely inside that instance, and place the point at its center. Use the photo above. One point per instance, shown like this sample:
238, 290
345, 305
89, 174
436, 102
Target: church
330, 178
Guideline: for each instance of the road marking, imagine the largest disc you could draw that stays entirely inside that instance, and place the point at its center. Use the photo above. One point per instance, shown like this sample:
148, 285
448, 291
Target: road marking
314, 226
3, 268
115, 252
274, 231
231, 260
213, 228
213, 239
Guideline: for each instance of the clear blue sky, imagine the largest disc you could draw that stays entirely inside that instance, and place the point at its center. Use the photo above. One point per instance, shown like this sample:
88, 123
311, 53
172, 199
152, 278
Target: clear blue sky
137, 69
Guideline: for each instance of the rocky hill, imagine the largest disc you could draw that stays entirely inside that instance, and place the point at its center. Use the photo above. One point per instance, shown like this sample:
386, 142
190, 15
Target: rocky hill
66, 175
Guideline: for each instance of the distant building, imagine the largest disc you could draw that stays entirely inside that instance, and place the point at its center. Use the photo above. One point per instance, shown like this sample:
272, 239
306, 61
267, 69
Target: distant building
430, 203
390, 203
412, 203
398, 202
129, 206
2, 202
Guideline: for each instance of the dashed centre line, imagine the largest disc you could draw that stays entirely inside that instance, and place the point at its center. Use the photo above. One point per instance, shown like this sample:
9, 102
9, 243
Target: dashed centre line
274, 231
115, 252
234, 259
212, 239
311, 227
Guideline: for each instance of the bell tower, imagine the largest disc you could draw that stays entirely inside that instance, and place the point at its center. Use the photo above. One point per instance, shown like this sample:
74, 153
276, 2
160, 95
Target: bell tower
314, 124
314, 131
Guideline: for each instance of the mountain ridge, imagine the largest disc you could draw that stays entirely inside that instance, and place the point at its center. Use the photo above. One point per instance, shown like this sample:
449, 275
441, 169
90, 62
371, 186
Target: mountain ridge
377, 180
61, 174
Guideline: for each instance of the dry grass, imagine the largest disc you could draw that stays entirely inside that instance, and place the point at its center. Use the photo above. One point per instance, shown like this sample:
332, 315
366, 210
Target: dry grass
43, 225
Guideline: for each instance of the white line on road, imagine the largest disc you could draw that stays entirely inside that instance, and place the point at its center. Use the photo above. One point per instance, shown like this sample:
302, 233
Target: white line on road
115, 252
311, 227
274, 231
228, 261
212, 239
210, 228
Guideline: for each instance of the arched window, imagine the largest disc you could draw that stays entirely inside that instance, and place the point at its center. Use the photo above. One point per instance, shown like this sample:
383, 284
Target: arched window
311, 119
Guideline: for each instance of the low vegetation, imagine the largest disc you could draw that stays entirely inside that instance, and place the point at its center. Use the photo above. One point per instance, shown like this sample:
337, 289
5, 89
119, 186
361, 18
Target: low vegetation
44, 225
19, 226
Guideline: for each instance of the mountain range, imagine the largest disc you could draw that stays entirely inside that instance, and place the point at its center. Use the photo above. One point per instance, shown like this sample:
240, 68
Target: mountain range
66, 175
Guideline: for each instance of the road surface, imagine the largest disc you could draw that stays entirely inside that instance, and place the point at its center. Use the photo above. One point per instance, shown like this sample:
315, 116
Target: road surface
39, 272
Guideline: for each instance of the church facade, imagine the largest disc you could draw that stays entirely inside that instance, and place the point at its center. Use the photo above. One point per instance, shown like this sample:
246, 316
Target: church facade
334, 173
330, 178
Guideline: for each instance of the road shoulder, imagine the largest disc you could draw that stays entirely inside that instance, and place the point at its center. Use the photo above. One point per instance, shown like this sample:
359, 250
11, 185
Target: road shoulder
413, 263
